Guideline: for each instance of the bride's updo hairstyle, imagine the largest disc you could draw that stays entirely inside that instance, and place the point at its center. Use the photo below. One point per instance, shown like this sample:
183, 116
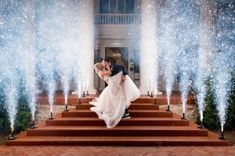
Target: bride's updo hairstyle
97, 67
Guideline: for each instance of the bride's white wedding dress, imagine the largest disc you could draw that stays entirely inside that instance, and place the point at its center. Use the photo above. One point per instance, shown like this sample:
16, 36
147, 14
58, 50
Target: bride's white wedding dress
115, 98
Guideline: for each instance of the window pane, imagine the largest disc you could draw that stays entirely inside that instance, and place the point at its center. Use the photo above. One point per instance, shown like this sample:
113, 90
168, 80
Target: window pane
129, 6
104, 6
121, 6
113, 6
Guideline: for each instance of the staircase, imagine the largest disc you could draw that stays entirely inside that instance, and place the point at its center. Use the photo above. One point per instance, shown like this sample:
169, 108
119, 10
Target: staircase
148, 126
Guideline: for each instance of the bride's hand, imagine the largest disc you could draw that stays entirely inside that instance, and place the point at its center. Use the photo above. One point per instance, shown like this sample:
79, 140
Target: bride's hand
123, 78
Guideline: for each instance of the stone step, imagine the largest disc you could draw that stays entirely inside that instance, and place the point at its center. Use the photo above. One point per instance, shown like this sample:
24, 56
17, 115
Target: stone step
117, 141
134, 106
133, 113
123, 122
117, 131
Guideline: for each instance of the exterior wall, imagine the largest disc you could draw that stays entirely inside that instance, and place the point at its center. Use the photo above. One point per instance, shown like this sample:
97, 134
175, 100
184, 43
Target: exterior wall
117, 35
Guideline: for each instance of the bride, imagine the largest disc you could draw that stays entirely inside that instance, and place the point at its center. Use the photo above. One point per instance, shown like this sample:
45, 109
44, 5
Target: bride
110, 106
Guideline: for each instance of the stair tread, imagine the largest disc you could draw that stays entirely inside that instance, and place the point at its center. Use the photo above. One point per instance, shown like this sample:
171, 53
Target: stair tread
118, 138
147, 111
134, 103
131, 119
166, 128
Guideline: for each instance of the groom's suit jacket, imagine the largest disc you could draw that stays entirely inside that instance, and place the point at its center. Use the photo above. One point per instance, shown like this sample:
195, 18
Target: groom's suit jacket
117, 68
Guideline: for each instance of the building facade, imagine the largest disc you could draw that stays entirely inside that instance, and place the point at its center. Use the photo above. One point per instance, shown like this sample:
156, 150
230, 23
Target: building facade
117, 24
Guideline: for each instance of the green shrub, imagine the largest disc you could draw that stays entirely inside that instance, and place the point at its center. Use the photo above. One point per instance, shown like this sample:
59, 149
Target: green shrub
22, 116
4, 122
211, 119
230, 122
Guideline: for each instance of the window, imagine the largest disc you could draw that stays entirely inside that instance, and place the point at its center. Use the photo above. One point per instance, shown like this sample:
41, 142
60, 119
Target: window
113, 6
129, 6
104, 6
121, 7
116, 6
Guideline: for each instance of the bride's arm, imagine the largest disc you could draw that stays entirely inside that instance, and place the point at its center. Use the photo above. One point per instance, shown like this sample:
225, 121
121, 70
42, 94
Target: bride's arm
103, 73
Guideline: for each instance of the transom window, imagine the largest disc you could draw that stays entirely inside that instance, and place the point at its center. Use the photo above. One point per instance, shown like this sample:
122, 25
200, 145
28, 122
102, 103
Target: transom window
117, 6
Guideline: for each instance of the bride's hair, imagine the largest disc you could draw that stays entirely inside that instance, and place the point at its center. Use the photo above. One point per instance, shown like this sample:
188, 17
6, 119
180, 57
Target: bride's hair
98, 67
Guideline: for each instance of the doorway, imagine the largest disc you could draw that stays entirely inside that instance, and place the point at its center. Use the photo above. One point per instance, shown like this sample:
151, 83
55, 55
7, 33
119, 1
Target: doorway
118, 55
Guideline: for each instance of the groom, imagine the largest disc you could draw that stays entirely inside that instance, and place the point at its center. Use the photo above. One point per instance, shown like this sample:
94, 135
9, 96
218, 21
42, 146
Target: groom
115, 69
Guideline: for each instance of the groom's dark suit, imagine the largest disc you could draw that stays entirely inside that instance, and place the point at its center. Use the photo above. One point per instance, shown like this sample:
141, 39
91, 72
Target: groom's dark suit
117, 68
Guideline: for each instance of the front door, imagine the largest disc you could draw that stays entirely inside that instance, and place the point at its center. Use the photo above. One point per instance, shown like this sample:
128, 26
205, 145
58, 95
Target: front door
118, 55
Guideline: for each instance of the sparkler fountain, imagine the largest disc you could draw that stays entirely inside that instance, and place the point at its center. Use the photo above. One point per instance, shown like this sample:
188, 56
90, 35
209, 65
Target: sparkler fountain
224, 59
148, 48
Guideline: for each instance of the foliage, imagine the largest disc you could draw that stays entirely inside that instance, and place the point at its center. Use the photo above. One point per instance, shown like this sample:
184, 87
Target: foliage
211, 119
22, 117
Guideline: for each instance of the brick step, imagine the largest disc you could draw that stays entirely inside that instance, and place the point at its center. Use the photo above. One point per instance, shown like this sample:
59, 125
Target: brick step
73, 99
117, 141
173, 100
162, 99
124, 122
134, 106
59, 99
133, 113
145, 99
117, 131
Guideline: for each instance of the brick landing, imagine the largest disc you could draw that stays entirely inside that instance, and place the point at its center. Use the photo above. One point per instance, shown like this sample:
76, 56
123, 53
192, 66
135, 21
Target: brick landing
115, 151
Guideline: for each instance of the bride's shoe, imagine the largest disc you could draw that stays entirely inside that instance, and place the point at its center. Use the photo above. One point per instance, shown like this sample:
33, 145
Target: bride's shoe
126, 115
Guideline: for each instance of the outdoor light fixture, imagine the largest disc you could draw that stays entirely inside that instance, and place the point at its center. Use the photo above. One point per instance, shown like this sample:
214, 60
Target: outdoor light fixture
51, 116
66, 108
221, 137
168, 108
183, 117
201, 125
33, 126
83, 94
11, 136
